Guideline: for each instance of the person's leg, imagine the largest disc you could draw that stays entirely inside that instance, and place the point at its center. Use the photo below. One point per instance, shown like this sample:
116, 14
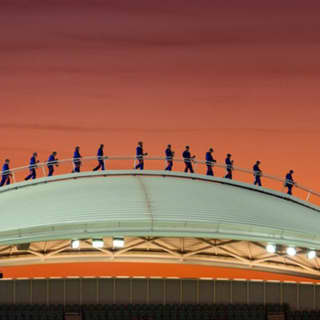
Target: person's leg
138, 166
76, 167
8, 180
3, 181
290, 189
209, 170
34, 174
29, 176
169, 166
189, 167
50, 172
142, 164
259, 181
186, 167
102, 165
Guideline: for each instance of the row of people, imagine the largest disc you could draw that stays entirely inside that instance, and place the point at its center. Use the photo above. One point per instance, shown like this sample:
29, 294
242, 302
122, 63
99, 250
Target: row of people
188, 159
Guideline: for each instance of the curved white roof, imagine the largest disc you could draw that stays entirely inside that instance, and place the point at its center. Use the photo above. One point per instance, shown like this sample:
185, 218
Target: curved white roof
153, 203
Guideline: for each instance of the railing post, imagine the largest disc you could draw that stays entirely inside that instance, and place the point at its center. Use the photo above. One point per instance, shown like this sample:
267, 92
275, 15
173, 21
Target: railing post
308, 196
13, 178
43, 171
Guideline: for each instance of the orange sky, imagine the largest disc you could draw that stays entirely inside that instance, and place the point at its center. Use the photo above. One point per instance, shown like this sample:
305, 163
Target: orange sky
241, 76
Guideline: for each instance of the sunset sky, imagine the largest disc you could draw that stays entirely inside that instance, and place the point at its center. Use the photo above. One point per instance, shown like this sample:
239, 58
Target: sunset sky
240, 76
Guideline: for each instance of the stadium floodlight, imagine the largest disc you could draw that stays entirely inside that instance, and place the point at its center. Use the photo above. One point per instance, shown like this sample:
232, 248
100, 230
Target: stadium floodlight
311, 254
97, 243
291, 251
118, 242
75, 244
271, 248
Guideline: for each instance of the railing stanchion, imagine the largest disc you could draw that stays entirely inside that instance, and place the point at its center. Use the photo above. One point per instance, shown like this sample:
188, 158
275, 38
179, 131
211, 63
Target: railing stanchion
13, 178
43, 171
308, 196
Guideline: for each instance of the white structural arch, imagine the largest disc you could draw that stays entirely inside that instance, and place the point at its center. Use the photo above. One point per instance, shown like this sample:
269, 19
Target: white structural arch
164, 216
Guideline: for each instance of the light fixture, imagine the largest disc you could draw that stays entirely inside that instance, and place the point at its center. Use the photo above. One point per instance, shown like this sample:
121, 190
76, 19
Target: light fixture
311, 254
291, 251
118, 242
97, 243
75, 244
271, 248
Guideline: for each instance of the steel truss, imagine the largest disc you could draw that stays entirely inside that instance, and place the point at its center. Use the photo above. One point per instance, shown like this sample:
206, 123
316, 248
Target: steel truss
197, 251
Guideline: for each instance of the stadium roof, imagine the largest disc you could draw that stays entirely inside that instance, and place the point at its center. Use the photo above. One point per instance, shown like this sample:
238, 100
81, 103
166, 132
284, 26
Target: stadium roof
154, 205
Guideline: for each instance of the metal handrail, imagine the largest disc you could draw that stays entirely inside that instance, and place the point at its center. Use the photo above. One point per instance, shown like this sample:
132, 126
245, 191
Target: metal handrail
43, 165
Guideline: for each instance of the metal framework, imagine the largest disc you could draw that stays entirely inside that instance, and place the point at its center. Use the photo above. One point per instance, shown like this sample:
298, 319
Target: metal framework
212, 252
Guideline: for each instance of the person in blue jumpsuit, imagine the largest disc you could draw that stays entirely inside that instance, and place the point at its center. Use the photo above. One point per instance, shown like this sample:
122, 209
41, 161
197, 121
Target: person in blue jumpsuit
100, 157
209, 162
188, 159
139, 156
32, 167
76, 159
169, 157
6, 174
289, 182
229, 164
52, 161
257, 173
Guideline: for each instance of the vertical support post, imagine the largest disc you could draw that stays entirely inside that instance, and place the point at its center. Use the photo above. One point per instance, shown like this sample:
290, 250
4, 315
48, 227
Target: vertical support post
43, 170
98, 290
48, 292
308, 196
198, 291
148, 290
14, 178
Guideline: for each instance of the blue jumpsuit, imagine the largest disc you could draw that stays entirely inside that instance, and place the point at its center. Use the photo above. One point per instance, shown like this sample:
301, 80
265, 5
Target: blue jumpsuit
229, 168
187, 161
5, 175
139, 156
209, 163
169, 157
76, 161
50, 164
257, 175
32, 168
100, 160
289, 183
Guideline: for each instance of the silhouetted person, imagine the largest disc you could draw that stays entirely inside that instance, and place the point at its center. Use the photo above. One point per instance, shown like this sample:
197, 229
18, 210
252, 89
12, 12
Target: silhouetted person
210, 162
188, 159
257, 173
169, 157
32, 167
52, 161
6, 174
289, 183
100, 157
76, 159
139, 155
229, 168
